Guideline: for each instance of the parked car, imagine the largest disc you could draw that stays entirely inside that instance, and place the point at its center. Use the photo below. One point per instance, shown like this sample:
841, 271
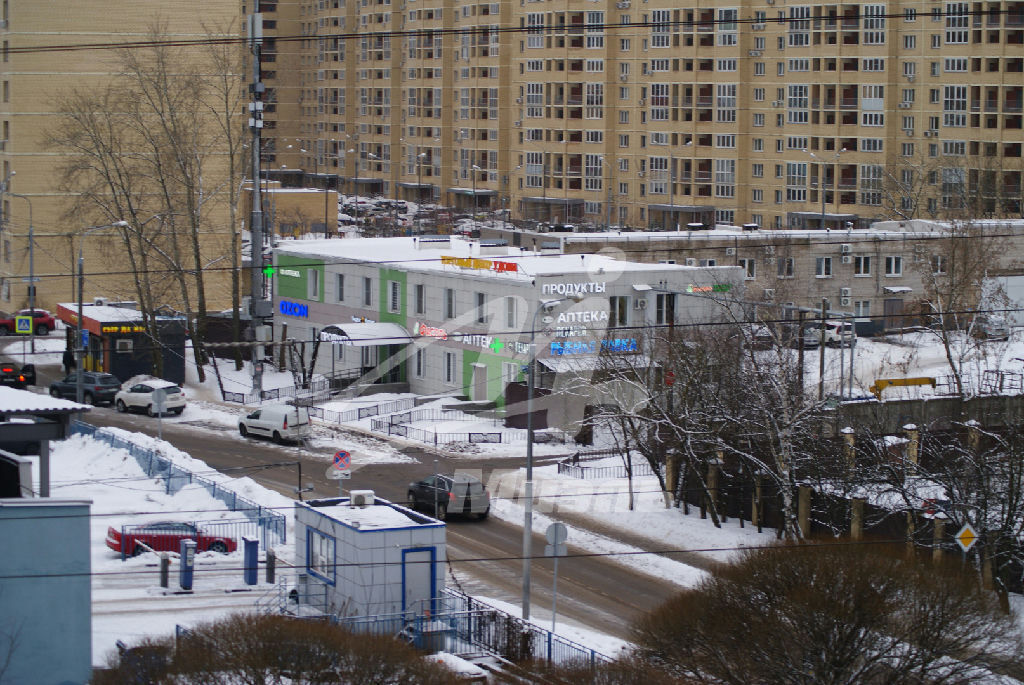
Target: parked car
139, 397
97, 388
758, 337
836, 333
43, 321
458, 494
278, 422
991, 327
166, 536
17, 377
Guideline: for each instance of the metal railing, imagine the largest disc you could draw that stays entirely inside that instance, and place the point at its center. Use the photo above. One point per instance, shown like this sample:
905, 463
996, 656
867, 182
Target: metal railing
272, 525
572, 468
460, 624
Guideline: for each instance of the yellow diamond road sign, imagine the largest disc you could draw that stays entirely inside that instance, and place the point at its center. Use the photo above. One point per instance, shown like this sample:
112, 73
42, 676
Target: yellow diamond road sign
966, 537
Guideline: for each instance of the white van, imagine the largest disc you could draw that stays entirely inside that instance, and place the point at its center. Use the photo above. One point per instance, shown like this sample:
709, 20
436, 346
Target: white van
278, 422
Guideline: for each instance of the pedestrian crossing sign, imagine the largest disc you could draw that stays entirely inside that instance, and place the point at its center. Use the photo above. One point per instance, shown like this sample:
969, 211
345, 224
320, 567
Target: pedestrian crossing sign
23, 324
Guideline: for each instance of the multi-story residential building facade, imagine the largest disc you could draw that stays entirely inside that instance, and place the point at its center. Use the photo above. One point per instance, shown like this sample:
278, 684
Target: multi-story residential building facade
39, 72
650, 114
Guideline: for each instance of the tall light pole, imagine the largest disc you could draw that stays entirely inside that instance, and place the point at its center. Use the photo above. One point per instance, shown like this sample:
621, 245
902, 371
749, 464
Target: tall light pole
31, 273
821, 181
80, 344
419, 189
547, 307
473, 171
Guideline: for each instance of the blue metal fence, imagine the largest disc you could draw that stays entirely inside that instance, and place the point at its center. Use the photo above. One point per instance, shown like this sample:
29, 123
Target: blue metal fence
272, 525
461, 624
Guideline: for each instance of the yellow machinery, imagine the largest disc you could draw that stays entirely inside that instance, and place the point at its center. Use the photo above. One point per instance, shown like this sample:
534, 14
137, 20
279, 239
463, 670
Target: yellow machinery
883, 383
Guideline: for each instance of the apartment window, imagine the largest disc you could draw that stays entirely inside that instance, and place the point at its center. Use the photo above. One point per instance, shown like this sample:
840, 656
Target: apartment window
313, 284
956, 22
759, 95
862, 308
340, 280
481, 308
449, 368
954, 106
955, 64
510, 313
420, 367
757, 170
907, 149
910, 14
893, 265
665, 309
909, 42
756, 195
394, 296
823, 267
862, 266
939, 264
367, 291
758, 119
872, 64
618, 314
872, 119
509, 372
749, 267
449, 303
785, 267
420, 293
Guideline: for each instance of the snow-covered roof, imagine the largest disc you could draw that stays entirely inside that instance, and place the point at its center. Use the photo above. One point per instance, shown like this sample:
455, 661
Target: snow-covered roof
381, 515
13, 400
458, 255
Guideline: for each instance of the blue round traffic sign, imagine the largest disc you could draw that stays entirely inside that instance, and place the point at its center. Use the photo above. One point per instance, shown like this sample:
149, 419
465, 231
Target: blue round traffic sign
342, 460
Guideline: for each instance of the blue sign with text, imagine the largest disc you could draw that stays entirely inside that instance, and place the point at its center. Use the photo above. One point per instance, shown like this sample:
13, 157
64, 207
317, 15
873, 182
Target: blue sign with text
294, 309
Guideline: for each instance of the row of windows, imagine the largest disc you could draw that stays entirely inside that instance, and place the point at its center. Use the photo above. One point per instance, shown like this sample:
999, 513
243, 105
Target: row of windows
823, 266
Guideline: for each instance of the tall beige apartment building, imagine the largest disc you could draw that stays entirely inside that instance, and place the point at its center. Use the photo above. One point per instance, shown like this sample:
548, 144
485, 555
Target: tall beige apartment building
651, 114
33, 78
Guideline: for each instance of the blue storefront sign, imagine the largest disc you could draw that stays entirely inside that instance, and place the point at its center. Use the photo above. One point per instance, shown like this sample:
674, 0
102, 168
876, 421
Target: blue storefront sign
593, 346
289, 308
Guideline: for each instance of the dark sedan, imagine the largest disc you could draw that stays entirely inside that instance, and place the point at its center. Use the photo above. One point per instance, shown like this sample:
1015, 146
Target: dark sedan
97, 388
441, 495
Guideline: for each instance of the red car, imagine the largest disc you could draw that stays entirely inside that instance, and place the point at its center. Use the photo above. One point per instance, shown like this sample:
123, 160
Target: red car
166, 536
43, 321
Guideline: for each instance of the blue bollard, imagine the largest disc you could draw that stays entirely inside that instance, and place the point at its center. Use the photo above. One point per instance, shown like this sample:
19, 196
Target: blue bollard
252, 561
187, 564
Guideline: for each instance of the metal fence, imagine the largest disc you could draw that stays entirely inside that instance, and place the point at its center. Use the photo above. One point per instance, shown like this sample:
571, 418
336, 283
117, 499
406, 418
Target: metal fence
430, 436
272, 525
571, 466
350, 415
460, 624
210, 536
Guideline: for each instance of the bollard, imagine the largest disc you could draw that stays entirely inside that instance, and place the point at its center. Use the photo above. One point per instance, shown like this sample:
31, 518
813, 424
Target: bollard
165, 569
271, 563
252, 561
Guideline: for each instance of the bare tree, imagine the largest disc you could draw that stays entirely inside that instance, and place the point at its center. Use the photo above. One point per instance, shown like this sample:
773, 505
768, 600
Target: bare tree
954, 279
154, 149
244, 648
821, 615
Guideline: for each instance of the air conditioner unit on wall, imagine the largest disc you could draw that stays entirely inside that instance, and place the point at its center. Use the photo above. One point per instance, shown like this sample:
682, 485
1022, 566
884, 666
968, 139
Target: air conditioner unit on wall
639, 303
845, 248
844, 302
844, 292
690, 261
846, 259
769, 293
730, 251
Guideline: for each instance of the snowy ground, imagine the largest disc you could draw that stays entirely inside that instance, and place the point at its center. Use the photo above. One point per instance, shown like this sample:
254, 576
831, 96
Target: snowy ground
128, 604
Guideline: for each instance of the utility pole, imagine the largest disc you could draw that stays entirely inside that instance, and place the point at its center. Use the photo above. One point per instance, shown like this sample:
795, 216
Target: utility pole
821, 351
259, 307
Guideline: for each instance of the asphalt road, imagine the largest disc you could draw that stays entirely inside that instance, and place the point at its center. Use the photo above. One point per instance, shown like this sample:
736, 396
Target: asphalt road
485, 555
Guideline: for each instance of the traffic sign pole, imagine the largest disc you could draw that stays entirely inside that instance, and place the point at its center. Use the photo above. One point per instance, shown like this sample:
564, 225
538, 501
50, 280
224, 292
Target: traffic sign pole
340, 469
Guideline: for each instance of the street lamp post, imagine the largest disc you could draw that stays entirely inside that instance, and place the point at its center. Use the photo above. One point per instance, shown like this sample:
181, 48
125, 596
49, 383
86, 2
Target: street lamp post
821, 181
473, 171
419, 189
547, 307
31, 273
79, 343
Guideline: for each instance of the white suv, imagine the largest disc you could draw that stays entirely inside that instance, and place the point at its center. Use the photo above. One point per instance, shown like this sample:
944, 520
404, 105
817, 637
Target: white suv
139, 397
836, 333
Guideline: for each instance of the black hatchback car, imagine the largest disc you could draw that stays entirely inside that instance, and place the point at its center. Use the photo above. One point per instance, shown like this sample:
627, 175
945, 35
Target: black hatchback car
97, 388
13, 376
458, 494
